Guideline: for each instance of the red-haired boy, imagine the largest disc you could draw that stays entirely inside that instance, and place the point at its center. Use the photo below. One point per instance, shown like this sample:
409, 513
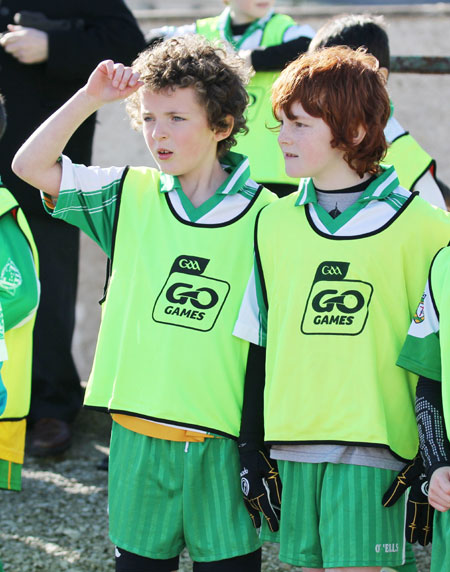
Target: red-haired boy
339, 267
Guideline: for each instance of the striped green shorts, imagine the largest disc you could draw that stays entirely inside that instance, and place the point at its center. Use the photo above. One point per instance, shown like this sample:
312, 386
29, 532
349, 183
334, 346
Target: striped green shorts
332, 517
440, 555
165, 495
10, 476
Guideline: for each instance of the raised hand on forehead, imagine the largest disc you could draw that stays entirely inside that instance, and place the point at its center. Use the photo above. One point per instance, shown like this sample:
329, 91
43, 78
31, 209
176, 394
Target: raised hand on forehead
112, 81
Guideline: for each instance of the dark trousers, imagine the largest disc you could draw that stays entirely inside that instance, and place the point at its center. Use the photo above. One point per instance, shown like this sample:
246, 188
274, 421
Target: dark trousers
56, 390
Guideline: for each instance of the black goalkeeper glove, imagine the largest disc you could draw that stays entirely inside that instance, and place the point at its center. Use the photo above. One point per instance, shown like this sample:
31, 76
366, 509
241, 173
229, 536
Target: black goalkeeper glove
261, 485
419, 513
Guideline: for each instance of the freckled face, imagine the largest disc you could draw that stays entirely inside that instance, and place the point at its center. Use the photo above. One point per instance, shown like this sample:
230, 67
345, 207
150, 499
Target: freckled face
306, 145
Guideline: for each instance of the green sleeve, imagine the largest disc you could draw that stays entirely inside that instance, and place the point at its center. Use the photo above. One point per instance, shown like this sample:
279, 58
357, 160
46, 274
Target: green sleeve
88, 199
422, 356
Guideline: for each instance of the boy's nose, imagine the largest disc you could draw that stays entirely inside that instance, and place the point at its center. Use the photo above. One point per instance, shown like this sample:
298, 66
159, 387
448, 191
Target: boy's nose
283, 136
159, 132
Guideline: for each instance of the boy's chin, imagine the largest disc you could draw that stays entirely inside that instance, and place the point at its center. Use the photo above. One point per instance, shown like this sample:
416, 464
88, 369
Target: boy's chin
294, 173
165, 168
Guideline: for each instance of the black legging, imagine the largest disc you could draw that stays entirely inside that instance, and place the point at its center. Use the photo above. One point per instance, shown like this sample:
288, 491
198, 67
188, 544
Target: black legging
129, 562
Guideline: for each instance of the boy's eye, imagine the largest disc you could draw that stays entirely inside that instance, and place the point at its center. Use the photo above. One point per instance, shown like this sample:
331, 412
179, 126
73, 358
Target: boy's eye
177, 118
299, 124
146, 119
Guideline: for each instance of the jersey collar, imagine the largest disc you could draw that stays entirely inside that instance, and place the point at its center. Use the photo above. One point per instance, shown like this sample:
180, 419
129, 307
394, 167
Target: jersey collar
237, 167
238, 173
224, 26
379, 189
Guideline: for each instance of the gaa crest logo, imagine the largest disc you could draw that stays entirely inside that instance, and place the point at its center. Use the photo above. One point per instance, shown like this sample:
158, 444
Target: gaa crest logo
189, 299
419, 316
335, 305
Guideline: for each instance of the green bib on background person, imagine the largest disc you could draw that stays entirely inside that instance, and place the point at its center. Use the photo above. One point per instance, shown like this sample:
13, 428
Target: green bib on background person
165, 349
18, 250
411, 162
337, 322
260, 143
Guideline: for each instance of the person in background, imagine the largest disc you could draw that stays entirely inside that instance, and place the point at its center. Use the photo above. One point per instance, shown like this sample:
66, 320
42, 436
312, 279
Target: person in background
47, 51
415, 168
3, 393
3, 357
426, 353
19, 298
267, 41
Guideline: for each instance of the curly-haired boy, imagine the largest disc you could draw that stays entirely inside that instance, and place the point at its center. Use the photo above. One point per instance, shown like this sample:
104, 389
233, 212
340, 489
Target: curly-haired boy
180, 245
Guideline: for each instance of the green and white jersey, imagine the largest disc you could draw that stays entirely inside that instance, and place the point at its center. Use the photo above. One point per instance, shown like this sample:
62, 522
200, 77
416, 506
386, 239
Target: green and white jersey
251, 40
89, 197
19, 283
19, 297
422, 351
339, 308
253, 37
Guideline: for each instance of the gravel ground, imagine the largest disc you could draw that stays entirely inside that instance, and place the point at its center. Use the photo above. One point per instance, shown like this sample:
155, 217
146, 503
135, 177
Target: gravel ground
58, 522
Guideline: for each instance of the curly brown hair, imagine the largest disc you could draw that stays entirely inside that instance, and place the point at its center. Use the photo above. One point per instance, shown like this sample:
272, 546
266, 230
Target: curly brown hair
217, 76
345, 89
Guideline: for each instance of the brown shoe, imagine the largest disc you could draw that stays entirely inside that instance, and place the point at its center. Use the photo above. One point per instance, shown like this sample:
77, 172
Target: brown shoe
50, 437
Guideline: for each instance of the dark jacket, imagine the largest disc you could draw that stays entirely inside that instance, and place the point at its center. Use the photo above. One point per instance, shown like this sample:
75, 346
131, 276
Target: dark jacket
97, 30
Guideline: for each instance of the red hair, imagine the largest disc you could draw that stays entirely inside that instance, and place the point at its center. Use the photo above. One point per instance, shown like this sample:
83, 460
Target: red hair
345, 89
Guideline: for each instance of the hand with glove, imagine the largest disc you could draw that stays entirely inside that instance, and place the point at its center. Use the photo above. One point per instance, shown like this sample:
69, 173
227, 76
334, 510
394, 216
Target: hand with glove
261, 485
419, 513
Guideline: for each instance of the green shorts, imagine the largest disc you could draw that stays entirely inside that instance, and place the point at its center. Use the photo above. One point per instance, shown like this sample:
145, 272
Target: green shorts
440, 554
10, 476
165, 495
332, 517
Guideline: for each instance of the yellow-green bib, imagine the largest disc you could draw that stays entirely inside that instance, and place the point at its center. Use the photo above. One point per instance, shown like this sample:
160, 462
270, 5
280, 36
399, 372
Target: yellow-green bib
260, 144
165, 349
16, 371
339, 309
411, 162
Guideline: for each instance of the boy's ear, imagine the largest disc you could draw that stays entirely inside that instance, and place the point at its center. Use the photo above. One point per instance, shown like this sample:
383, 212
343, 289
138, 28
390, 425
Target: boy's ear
384, 72
225, 132
359, 135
